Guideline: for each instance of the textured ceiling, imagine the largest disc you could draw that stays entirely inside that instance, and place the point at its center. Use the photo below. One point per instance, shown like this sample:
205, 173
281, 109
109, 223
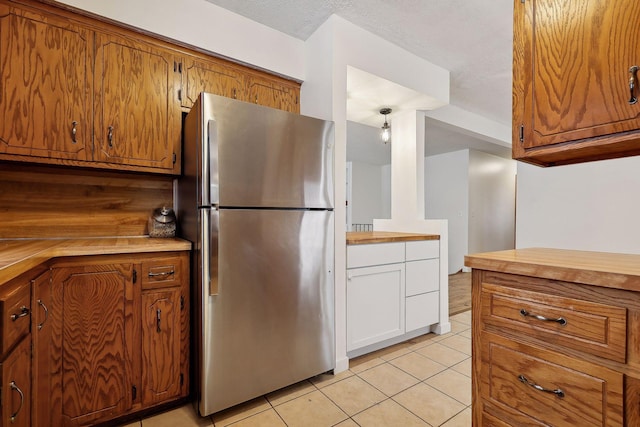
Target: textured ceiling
470, 38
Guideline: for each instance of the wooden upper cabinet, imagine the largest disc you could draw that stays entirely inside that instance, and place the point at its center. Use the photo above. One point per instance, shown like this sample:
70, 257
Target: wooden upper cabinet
273, 93
93, 328
45, 77
572, 80
137, 114
199, 75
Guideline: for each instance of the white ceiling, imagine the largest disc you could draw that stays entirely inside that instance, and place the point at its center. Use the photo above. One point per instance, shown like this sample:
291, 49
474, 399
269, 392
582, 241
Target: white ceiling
470, 38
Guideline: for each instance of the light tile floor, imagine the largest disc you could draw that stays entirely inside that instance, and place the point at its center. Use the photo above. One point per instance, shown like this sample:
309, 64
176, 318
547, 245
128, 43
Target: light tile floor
422, 382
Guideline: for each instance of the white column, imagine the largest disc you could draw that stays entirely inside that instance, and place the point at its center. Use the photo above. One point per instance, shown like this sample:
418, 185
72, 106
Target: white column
407, 165
407, 198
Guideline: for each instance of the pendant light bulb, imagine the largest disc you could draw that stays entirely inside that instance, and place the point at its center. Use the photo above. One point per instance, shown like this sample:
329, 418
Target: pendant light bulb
385, 135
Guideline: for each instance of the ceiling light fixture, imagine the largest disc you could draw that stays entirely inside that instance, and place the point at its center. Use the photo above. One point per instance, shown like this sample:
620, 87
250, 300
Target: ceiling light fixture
386, 129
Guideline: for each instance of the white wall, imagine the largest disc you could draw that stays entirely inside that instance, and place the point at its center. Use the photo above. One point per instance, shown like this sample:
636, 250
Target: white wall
492, 202
205, 25
335, 45
366, 193
446, 194
386, 191
590, 206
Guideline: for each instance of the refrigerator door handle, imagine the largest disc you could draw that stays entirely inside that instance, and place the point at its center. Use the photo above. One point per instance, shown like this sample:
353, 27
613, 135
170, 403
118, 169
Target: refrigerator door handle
212, 176
209, 250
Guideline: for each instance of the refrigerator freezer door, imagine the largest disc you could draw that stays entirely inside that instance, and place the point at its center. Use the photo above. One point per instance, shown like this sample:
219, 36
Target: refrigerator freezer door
272, 322
262, 157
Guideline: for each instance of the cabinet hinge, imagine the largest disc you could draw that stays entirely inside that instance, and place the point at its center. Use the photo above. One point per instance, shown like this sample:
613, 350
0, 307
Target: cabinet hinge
175, 158
181, 302
521, 133
181, 379
135, 275
134, 392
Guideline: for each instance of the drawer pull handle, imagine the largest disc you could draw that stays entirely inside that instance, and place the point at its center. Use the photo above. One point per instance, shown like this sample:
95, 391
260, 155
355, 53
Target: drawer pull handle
46, 314
561, 320
558, 392
632, 83
164, 273
158, 314
13, 386
24, 311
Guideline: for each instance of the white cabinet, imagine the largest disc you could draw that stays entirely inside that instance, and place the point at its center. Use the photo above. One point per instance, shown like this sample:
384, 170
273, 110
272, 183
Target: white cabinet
375, 312
392, 291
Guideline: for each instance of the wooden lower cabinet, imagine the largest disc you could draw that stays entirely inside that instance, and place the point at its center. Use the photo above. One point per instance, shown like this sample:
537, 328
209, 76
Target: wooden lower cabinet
16, 386
43, 362
15, 350
161, 375
108, 347
552, 352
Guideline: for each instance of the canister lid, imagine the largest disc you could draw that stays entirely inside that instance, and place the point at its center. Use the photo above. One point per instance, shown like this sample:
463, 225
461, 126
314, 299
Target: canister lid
164, 215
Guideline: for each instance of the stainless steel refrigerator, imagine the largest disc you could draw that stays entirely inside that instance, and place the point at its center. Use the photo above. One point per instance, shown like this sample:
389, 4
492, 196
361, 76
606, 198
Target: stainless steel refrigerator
256, 199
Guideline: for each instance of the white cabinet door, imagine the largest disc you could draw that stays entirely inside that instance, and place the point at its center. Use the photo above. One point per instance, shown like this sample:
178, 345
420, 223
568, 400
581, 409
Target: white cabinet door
375, 304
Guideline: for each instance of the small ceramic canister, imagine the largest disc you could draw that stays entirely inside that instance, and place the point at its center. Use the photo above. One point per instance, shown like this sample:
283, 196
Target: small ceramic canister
162, 223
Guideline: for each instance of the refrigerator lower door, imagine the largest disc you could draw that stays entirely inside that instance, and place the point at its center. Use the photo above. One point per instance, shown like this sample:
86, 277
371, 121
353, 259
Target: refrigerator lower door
271, 323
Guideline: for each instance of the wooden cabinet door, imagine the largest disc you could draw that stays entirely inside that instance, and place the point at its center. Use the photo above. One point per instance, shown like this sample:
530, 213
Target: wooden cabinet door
571, 69
136, 106
208, 76
271, 93
16, 386
45, 70
93, 332
161, 345
42, 354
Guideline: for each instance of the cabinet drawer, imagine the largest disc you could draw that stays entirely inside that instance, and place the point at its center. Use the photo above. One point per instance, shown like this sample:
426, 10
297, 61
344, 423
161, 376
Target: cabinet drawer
421, 311
15, 309
578, 393
374, 254
162, 272
422, 276
423, 249
594, 328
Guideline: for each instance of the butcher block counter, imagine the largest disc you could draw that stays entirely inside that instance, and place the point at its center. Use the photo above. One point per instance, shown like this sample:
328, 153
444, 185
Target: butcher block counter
19, 256
555, 329
366, 237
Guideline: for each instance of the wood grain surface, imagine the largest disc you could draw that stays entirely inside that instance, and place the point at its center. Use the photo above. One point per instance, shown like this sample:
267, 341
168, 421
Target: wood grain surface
45, 202
45, 86
365, 237
620, 271
571, 85
94, 372
19, 256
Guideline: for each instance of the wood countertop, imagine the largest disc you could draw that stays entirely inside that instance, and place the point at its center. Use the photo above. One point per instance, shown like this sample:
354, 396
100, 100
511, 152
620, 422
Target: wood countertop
366, 237
19, 256
619, 271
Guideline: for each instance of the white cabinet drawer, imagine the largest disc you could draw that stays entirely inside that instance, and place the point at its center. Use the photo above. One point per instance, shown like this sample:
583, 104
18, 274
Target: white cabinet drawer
374, 254
422, 310
422, 276
423, 249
